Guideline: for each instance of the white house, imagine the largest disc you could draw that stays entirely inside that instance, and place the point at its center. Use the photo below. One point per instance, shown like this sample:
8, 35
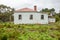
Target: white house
31, 16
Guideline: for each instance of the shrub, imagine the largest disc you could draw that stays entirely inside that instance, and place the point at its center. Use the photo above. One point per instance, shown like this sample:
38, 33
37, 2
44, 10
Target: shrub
4, 37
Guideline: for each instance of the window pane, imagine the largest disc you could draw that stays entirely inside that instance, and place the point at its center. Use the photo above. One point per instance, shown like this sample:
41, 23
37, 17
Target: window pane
20, 17
42, 16
31, 17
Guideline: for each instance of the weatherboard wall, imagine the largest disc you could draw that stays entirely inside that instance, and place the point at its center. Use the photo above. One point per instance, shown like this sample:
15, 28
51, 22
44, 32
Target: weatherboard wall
26, 18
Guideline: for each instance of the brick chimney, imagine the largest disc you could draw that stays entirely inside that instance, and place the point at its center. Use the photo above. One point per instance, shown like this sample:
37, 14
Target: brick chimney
35, 8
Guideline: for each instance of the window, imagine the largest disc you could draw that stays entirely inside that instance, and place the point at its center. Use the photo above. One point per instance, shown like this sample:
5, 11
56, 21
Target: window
42, 16
20, 17
31, 17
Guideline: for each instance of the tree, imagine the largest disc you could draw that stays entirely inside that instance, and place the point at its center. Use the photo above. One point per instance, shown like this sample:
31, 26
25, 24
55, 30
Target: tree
57, 16
46, 10
6, 13
52, 10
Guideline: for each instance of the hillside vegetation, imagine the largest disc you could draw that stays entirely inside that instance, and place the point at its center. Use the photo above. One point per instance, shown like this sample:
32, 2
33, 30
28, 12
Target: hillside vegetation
10, 31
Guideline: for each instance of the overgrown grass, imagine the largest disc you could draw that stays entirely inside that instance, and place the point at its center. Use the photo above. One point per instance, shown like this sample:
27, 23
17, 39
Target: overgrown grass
11, 31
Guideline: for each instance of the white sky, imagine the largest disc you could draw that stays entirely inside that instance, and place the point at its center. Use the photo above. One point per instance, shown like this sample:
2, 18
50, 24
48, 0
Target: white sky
17, 4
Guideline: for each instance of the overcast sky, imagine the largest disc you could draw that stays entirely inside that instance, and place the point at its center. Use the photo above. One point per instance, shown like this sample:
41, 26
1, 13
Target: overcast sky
17, 4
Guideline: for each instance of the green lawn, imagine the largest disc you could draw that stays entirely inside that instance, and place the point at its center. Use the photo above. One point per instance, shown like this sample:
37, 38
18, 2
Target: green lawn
10, 31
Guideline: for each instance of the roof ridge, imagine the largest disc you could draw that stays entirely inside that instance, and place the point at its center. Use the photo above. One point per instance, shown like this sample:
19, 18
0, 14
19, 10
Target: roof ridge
25, 9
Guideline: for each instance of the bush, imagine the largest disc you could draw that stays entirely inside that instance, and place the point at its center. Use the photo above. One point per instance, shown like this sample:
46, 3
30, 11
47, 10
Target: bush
4, 37
30, 32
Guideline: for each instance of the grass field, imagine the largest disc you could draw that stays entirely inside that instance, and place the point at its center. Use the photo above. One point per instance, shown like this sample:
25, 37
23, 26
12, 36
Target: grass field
9, 31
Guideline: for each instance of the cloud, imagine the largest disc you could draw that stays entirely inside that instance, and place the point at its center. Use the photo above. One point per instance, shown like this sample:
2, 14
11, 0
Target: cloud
30, 3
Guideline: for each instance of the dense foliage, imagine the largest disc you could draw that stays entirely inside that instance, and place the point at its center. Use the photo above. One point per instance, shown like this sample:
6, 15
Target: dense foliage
57, 16
54, 14
10, 31
6, 13
46, 10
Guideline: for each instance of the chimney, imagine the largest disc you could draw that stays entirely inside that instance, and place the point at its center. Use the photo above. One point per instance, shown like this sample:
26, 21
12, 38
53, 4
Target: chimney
35, 8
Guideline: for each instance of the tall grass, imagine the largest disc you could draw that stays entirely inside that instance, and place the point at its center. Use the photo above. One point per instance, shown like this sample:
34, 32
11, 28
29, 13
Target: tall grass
30, 31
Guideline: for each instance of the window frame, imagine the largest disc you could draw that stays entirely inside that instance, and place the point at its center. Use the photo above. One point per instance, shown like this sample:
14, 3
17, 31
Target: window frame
42, 17
20, 17
31, 17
